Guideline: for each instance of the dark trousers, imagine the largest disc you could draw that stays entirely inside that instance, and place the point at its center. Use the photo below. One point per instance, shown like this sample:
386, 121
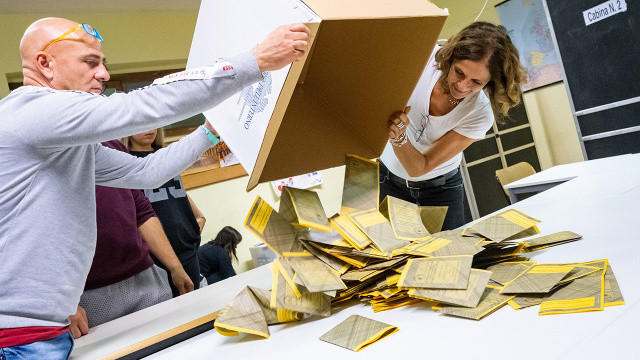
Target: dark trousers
440, 191
191, 266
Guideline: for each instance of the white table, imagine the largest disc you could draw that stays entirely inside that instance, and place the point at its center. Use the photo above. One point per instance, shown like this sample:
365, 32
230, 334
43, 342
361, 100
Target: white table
559, 174
605, 219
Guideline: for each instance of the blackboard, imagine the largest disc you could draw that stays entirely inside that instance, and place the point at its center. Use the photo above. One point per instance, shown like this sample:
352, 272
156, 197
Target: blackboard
598, 122
602, 60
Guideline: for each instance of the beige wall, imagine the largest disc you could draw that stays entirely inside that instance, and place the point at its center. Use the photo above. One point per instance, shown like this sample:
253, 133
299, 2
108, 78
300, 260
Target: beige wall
134, 41
151, 41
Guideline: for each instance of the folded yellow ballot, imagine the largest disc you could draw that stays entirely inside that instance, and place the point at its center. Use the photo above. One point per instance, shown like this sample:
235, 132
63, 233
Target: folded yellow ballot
440, 272
507, 225
404, 218
304, 208
270, 227
361, 188
469, 297
378, 229
539, 278
433, 217
490, 301
357, 332
249, 312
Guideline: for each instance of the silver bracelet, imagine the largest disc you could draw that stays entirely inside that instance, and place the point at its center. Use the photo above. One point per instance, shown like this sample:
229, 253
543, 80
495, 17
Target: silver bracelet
401, 140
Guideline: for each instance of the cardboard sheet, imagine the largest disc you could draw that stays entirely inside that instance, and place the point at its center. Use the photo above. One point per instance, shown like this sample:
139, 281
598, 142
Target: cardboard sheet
336, 100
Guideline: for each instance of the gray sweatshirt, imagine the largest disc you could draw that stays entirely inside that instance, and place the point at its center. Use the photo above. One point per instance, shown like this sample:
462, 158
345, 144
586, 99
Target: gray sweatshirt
51, 159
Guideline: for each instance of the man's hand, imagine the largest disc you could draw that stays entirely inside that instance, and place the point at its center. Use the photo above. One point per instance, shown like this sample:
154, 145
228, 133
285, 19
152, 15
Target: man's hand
181, 280
283, 46
79, 324
160, 247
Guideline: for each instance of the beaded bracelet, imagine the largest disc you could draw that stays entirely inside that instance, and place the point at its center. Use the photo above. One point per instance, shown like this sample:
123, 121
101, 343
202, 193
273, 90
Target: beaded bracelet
401, 140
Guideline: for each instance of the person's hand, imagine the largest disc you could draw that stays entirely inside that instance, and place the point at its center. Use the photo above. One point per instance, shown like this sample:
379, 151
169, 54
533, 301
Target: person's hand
181, 280
79, 324
283, 46
208, 125
398, 123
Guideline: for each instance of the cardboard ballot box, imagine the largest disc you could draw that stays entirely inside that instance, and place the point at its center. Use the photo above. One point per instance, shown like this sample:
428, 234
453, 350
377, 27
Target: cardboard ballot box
365, 60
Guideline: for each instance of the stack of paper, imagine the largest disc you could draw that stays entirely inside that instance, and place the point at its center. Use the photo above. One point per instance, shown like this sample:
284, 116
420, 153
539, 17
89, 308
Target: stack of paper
564, 288
544, 242
394, 254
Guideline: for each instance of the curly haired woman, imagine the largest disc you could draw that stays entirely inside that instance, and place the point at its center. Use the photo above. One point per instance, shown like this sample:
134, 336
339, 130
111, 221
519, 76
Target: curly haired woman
468, 82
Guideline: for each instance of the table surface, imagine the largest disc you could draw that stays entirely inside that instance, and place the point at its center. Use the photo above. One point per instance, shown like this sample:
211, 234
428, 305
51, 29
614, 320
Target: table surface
604, 218
562, 173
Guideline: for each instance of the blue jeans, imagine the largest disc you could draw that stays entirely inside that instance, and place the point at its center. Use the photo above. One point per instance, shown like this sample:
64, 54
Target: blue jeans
57, 348
450, 193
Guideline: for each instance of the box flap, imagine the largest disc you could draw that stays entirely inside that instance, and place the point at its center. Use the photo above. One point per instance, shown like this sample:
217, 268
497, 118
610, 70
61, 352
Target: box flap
366, 59
360, 72
367, 9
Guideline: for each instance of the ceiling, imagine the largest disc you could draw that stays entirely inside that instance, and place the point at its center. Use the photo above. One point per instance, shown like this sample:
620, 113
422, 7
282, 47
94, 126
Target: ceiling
84, 6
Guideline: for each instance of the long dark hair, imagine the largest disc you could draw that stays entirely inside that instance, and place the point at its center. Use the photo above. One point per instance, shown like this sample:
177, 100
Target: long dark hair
479, 41
228, 238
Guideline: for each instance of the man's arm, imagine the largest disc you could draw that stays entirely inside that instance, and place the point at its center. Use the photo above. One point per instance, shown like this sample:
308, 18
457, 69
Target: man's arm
160, 247
152, 232
69, 118
200, 219
118, 169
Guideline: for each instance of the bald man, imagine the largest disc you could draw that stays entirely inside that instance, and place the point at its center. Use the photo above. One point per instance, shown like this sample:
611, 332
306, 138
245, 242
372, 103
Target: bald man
51, 159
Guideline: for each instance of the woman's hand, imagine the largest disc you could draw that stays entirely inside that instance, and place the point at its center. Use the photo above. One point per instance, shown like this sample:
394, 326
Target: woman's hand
398, 123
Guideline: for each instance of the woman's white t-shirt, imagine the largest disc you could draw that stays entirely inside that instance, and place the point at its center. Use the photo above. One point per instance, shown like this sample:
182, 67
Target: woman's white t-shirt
472, 118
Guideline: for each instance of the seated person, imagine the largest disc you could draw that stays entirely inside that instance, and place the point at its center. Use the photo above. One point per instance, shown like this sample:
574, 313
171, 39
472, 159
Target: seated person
215, 256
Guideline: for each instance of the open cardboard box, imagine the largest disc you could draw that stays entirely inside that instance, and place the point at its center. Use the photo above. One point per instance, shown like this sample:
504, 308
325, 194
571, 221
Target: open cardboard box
365, 60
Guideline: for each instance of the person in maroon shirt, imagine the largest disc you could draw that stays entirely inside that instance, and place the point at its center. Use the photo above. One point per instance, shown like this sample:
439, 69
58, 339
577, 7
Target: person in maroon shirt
123, 278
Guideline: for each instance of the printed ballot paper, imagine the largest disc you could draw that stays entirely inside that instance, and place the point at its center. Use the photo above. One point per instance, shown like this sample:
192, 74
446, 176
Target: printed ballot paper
334, 101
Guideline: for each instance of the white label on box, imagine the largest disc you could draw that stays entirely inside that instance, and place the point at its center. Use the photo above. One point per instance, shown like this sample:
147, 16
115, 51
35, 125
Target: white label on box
604, 11
299, 182
220, 69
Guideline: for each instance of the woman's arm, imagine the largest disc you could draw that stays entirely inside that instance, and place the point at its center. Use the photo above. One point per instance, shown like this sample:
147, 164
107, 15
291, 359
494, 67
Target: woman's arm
417, 163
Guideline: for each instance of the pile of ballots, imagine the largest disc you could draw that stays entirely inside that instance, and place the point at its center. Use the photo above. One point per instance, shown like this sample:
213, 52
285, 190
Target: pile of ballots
393, 254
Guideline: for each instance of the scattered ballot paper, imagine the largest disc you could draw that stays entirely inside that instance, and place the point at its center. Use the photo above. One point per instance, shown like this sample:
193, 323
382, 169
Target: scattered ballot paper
440, 272
358, 254
507, 225
250, 313
357, 332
